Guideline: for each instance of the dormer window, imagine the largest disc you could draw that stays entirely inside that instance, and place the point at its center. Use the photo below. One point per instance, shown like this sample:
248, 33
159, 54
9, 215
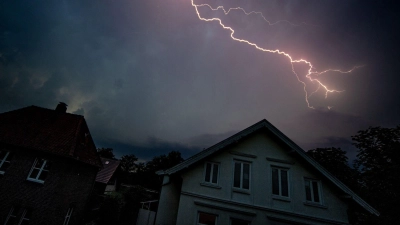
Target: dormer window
4, 161
39, 170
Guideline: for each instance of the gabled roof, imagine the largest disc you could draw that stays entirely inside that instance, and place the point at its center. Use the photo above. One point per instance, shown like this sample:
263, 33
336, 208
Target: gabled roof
109, 168
51, 131
264, 124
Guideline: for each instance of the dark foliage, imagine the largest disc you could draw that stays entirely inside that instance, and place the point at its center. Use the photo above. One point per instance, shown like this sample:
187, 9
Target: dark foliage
121, 208
163, 162
133, 197
144, 174
336, 162
128, 163
106, 153
110, 209
379, 165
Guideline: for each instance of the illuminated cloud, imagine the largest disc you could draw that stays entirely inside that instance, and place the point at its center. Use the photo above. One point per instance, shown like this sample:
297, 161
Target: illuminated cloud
151, 68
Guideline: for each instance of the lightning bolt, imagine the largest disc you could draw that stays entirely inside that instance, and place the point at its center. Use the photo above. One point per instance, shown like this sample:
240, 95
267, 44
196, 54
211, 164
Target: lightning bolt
311, 74
226, 12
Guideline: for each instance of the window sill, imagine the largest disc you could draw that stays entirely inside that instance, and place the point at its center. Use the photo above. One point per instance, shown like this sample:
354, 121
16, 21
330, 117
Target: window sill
281, 198
211, 185
313, 204
35, 181
242, 191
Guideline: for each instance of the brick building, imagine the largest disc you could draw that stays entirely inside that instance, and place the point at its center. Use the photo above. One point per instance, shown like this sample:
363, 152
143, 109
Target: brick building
48, 166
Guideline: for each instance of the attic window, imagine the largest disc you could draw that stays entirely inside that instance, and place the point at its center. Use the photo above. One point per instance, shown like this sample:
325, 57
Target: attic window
18, 215
313, 193
107, 162
39, 170
211, 173
68, 216
241, 175
280, 182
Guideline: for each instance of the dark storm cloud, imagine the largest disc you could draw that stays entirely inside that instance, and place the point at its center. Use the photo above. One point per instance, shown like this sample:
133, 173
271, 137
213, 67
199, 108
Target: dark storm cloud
371, 29
152, 147
325, 128
150, 68
207, 140
328, 128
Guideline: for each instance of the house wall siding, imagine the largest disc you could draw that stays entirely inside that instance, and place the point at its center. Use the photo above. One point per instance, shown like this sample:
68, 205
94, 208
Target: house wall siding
260, 198
169, 201
69, 183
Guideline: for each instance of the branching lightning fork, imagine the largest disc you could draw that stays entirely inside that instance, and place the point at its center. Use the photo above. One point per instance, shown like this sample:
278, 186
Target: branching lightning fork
226, 12
311, 72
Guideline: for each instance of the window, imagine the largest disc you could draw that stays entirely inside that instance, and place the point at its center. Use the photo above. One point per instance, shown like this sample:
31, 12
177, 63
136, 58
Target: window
280, 182
211, 173
206, 219
4, 161
19, 216
239, 222
313, 193
68, 216
39, 171
241, 176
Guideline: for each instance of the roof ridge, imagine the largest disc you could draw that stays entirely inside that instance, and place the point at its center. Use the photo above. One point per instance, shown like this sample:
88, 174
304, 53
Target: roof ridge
217, 146
20, 109
41, 108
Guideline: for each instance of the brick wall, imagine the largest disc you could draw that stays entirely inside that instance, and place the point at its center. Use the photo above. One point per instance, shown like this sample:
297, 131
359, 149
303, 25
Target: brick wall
68, 184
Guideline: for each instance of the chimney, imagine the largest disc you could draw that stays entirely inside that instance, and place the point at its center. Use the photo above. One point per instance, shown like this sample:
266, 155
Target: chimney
61, 107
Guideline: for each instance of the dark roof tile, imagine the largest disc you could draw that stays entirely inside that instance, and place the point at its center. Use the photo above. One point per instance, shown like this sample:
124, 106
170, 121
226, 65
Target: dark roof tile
50, 131
109, 168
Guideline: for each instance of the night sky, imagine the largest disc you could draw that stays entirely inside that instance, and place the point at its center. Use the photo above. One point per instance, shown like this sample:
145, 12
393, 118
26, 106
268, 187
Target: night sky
151, 77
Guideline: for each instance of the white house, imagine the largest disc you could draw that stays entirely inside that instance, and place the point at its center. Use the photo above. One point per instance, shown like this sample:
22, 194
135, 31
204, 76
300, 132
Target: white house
257, 176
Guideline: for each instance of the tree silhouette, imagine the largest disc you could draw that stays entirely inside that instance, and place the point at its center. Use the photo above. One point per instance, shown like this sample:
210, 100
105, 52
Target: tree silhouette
379, 164
106, 153
128, 163
336, 162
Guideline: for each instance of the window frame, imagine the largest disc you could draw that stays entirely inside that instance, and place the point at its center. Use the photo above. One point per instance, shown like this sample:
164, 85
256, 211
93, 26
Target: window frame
4, 160
241, 178
41, 169
20, 213
211, 176
68, 215
23, 217
319, 186
10, 214
211, 214
280, 191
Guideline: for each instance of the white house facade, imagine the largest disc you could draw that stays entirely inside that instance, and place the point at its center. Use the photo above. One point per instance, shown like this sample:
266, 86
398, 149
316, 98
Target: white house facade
257, 176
